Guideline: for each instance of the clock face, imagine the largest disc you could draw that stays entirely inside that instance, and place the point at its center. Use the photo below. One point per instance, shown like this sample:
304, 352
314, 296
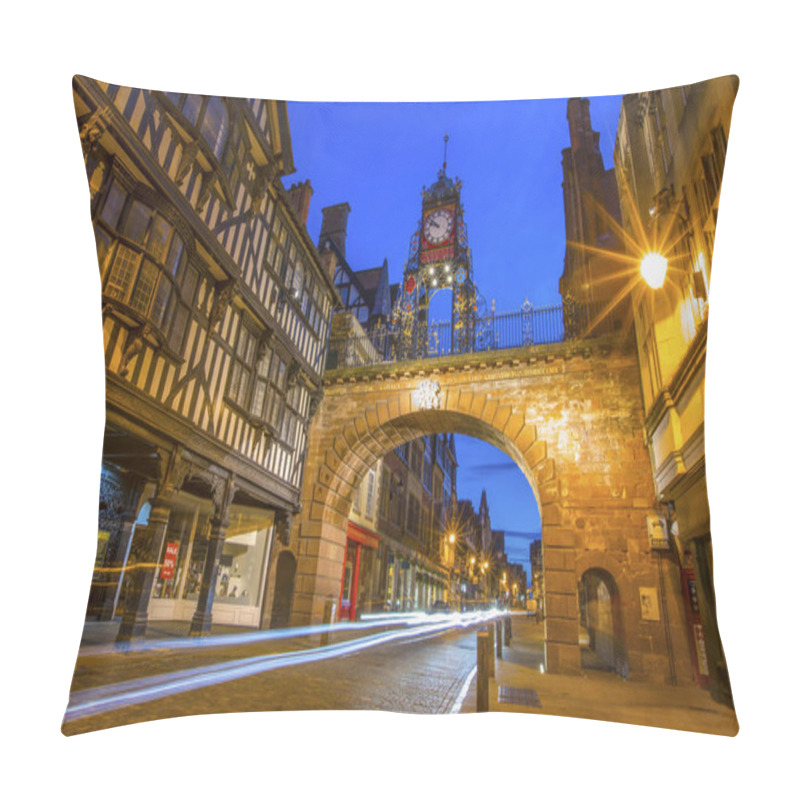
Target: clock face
438, 226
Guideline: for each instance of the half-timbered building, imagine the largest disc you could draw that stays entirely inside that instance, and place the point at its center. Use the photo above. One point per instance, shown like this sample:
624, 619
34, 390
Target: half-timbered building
216, 312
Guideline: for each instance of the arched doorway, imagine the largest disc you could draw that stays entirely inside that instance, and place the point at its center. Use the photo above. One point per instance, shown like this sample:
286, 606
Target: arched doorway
284, 589
602, 634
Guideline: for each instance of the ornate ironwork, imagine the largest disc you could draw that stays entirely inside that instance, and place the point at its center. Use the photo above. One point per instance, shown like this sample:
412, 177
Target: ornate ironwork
528, 327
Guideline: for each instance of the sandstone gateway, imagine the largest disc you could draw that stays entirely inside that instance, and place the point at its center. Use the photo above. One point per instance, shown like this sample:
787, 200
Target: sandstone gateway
570, 416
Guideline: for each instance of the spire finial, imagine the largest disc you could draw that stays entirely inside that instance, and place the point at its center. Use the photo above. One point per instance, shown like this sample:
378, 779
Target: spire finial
446, 140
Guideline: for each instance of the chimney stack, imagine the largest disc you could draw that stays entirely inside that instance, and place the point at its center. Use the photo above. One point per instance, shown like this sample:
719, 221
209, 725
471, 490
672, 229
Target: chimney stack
334, 226
300, 199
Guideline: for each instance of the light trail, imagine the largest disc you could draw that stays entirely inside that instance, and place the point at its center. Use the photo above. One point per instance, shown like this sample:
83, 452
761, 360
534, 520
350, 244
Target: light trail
102, 699
251, 637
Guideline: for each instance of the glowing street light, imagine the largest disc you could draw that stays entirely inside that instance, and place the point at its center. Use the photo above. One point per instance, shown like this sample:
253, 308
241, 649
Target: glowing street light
653, 267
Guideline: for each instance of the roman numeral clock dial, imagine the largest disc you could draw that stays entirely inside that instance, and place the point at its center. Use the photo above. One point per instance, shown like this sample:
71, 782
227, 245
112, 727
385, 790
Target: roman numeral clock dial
438, 226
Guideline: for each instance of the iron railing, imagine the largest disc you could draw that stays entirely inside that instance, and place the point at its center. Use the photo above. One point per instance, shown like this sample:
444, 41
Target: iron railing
525, 328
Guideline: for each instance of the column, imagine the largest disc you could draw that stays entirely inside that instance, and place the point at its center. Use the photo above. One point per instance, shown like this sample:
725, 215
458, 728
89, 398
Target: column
562, 649
223, 495
118, 562
201, 621
146, 550
149, 540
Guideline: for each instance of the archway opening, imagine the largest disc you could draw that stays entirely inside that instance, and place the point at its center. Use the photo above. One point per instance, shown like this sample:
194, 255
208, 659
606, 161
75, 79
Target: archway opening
440, 322
414, 540
602, 637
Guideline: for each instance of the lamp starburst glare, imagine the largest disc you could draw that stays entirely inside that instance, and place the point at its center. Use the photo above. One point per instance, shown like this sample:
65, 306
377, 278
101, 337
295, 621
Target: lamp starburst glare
654, 269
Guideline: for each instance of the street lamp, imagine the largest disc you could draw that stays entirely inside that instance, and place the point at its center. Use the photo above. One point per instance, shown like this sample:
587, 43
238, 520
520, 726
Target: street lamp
653, 268
450, 557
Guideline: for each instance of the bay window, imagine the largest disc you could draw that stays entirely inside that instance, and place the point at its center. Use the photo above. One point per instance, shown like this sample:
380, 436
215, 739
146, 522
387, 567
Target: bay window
143, 263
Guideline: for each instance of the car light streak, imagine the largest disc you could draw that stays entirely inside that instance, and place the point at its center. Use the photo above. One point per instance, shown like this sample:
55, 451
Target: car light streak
252, 637
102, 699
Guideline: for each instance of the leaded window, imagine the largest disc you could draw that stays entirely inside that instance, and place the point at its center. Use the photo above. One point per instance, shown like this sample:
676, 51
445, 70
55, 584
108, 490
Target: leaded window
416, 458
384, 498
370, 505
292, 417
143, 263
257, 384
413, 519
214, 127
209, 115
242, 366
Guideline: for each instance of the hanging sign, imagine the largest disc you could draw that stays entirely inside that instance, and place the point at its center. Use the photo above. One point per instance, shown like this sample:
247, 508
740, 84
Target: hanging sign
170, 560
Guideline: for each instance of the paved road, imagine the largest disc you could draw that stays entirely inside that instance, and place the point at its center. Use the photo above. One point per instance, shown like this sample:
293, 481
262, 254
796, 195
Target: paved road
417, 676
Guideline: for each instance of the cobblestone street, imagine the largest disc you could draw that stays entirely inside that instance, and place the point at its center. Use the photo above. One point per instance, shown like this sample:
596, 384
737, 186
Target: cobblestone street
418, 676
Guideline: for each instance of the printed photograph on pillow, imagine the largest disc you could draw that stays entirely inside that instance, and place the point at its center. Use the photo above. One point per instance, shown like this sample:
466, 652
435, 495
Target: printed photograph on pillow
404, 407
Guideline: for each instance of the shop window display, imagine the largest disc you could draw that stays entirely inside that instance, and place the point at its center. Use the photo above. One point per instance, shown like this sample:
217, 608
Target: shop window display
239, 577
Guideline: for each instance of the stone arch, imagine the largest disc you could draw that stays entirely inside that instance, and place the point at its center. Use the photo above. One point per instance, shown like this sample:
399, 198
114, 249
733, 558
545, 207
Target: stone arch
354, 452
570, 416
387, 423
345, 448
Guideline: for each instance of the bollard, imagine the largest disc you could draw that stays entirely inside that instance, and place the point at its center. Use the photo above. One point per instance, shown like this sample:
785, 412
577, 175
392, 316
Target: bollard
508, 629
484, 659
498, 624
328, 615
490, 631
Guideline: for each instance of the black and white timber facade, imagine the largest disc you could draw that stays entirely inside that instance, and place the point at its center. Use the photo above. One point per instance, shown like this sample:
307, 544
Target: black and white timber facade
216, 311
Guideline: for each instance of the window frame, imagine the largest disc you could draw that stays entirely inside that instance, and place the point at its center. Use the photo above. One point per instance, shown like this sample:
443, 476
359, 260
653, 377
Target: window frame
169, 270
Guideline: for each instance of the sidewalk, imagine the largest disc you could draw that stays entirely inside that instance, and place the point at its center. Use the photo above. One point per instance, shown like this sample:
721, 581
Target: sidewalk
100, 633
520, 686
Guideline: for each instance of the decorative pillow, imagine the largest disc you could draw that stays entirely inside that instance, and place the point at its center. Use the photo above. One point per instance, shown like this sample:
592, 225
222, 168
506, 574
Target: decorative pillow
280, 521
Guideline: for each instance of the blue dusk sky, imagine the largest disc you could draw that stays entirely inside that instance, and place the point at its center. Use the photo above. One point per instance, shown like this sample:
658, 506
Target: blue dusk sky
378, 156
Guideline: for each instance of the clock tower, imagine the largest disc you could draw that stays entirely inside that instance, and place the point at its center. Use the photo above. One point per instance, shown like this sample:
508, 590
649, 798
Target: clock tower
439, 259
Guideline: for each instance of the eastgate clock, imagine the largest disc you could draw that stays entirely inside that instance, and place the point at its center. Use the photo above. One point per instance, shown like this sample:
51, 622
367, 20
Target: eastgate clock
438, 226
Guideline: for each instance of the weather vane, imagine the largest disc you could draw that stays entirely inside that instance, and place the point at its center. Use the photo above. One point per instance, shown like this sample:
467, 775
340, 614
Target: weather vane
446, 140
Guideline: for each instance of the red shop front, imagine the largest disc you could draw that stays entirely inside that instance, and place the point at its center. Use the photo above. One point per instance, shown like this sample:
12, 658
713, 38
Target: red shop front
360, 542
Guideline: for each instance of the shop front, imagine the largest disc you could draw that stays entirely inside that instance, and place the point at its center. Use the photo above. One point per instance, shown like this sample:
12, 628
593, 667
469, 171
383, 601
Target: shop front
357, 571
692, 531
241, 578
